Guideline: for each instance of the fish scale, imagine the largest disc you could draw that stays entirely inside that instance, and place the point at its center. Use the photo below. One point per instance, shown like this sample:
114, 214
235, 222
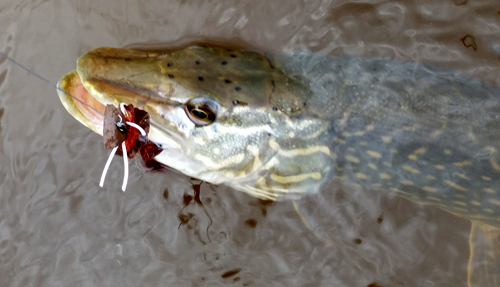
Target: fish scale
284, 126
353, 118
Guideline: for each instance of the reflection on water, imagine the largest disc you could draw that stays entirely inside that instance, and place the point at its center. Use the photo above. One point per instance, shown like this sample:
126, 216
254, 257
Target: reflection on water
58, 228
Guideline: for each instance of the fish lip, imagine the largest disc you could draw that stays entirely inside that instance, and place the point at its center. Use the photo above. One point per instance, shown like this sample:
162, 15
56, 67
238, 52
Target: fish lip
93, 69
89, 111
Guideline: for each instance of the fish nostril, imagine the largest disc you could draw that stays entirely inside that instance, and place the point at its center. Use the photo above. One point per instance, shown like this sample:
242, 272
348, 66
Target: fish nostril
200, 79
227, 81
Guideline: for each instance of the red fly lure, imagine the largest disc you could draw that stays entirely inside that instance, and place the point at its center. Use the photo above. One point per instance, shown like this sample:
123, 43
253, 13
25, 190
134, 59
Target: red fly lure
125, 132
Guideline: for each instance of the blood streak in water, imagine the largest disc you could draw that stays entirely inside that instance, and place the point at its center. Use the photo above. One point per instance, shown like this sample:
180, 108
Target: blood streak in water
125, 132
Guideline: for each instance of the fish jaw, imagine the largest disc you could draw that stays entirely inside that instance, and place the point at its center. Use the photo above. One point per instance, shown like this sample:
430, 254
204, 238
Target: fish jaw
85, 108
258, 110
79, 103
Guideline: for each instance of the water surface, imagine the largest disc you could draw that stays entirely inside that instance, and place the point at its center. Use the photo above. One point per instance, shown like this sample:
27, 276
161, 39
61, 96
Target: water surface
58, 228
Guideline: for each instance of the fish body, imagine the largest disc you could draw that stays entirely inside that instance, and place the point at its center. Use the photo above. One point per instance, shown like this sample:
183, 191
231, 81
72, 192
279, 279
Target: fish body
282, 126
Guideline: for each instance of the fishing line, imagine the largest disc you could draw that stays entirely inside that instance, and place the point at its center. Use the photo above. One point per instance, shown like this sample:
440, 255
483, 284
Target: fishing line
118, 124
41, 78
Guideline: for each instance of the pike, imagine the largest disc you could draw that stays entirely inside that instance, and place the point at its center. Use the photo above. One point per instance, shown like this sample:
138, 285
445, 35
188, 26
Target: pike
283, 126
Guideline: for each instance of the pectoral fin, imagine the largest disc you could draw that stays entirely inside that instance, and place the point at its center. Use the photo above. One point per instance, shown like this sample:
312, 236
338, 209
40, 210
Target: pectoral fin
484, 262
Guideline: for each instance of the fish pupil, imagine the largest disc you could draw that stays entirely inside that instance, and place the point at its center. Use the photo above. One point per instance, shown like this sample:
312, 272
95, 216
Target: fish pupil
199, 114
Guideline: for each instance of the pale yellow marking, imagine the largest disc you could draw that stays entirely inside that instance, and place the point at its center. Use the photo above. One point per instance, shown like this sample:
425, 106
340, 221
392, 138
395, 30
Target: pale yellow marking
436, 133
256, 164
488, 210
411, 169
421, 150
403, 192
455, 186
407, 182
447, 151
363, 143
408, 128
303, 125
429, 188
386, 139
487, 178
370, 127
494, 201
295, 178
376, 185
463, 163
274, 144
475, 202
441, 167
361, 175
221, 163
340, 141
290, 134
216, 150
300, 151
394, 151
472, 136
261, 190
460, 203
359, 133
385, 176
412, 157
431, 177
314, 135
462, 176
352, 158
305, 151
489, 190
374, 154
388, 164
338, 168
433, 198
494, 164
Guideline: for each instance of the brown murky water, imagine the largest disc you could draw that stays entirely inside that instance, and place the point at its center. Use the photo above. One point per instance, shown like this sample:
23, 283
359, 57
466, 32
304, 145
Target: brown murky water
58, 228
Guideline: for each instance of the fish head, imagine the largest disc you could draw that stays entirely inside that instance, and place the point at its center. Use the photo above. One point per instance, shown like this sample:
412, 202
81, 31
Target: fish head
220, 115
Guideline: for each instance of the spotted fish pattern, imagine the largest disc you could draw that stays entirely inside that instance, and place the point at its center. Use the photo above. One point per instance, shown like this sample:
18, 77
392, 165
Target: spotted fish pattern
281, 126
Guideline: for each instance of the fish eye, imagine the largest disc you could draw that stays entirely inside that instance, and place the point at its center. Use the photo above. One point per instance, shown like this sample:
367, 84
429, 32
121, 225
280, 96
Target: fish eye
202, 111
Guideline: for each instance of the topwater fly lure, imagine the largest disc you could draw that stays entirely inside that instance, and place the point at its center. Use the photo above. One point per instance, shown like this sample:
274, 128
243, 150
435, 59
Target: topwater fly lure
127, 141
124, 131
